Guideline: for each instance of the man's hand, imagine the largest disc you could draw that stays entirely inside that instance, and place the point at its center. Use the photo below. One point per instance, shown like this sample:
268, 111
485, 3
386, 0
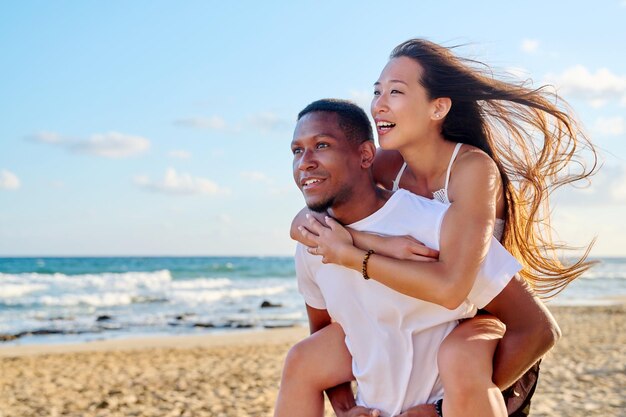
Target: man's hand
424, 410
359, 411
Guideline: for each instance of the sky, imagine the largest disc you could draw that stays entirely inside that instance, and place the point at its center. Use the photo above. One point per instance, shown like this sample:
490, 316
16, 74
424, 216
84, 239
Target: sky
163, 128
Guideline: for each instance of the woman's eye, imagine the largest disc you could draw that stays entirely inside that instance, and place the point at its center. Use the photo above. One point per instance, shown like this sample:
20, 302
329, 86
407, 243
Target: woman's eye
396, 92
376, 92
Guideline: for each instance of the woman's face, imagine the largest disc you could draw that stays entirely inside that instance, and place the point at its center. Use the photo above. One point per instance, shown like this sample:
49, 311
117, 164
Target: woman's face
401, 108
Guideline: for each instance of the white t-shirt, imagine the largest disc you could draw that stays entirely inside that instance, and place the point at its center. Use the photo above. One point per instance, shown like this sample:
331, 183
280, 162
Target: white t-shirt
394, 338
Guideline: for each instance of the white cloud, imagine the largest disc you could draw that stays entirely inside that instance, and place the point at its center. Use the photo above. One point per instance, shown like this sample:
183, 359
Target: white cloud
224, 218
179, 154
9, 181
608, 186
610, 126
47, 137
255, 176
285, 190
269, 122
518, 72
213, 122
579, 82
596, 103
530, 45
112, 145
107, 145
180, 183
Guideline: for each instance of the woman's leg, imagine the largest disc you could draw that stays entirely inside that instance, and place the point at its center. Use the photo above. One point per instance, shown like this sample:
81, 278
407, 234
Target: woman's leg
319, 362
465, 363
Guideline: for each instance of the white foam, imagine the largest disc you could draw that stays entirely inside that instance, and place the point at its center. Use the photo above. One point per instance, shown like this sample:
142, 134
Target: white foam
195, 296
18, 290
201, 283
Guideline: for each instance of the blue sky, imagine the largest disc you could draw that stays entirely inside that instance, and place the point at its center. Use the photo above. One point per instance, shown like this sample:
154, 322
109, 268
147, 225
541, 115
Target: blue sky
163, 128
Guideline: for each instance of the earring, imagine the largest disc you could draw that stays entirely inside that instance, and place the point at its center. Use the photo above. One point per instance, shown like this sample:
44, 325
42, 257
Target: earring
437, 115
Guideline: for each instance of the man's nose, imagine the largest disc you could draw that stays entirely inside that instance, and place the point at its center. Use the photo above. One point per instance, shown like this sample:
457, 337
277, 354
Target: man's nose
307, 161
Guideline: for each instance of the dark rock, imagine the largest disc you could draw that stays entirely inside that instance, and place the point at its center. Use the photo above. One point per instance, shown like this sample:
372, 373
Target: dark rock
104, 318
278, 325
183, 316
206, 325
268, 304
242, 325
42, 332
5, 337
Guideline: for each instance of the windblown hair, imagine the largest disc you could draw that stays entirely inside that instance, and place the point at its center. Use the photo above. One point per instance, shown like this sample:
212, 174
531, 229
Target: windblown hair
352, 119
534, 141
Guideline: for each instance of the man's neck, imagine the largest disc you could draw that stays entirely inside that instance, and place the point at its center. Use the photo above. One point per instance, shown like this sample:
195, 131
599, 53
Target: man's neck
362, 204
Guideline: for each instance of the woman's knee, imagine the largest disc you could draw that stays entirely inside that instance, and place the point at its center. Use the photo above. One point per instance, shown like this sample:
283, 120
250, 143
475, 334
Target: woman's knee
320, 361
298, 360
467, 352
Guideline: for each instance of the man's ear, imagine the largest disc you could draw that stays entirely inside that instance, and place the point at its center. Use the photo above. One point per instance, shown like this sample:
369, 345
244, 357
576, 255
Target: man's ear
368, 151
440, 108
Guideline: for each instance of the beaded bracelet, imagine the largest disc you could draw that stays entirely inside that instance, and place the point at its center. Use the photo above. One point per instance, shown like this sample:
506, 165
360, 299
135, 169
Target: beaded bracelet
365, 259
439, 408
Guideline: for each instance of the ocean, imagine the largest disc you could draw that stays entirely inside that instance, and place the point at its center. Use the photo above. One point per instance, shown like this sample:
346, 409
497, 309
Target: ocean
60, 300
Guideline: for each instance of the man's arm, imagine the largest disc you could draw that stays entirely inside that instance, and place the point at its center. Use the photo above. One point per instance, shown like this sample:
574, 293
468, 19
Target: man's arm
531, 331
341, 396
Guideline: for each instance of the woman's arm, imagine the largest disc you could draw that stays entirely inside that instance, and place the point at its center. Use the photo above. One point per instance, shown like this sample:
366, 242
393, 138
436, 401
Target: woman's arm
399, 247
465, 235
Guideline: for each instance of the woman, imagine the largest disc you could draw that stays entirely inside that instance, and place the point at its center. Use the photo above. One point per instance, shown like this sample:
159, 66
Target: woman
452, 133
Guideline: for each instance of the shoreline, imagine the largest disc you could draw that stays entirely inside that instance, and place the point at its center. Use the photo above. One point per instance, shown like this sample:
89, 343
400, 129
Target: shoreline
252, 336
142, 342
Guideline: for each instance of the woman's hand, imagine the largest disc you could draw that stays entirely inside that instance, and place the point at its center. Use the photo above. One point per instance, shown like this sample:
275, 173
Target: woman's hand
425, 410
358, 411
406, 247
332, 241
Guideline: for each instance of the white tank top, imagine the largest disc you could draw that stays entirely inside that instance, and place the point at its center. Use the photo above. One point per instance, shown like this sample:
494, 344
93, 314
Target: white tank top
442, 194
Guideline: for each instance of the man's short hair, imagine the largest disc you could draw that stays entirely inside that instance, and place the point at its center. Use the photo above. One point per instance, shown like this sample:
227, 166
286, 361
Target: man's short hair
352, 119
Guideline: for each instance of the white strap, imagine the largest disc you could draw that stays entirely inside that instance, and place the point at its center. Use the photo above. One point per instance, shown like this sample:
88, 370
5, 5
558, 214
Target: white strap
452, 158
396, 182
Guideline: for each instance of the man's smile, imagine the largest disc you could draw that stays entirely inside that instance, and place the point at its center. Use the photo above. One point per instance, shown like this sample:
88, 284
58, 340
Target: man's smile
309, 183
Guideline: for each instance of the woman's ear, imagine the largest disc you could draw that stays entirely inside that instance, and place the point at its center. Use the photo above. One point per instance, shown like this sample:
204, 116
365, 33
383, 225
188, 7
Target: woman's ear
368, 151
441, 107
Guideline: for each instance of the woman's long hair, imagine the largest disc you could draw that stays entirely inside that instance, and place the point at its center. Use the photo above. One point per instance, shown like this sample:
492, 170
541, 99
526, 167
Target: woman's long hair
535, 143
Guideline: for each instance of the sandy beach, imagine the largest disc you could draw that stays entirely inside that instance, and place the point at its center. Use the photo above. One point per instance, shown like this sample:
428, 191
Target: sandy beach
238, 374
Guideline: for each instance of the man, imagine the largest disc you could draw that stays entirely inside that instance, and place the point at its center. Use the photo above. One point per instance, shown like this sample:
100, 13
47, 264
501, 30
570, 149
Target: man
393, 339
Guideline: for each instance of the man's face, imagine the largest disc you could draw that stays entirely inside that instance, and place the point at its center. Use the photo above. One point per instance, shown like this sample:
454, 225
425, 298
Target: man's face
324, 161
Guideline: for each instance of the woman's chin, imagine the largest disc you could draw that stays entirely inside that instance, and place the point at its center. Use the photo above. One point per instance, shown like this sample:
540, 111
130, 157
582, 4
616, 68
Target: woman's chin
386, 143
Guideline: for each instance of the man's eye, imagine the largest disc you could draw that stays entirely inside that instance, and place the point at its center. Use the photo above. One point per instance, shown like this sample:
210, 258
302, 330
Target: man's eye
322, 145
296, 151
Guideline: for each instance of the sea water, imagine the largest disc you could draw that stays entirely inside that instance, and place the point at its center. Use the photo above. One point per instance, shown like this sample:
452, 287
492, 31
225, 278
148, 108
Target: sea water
49, 300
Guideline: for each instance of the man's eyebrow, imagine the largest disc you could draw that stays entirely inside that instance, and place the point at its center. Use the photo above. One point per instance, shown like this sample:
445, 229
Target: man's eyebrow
324, 135
318, 136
